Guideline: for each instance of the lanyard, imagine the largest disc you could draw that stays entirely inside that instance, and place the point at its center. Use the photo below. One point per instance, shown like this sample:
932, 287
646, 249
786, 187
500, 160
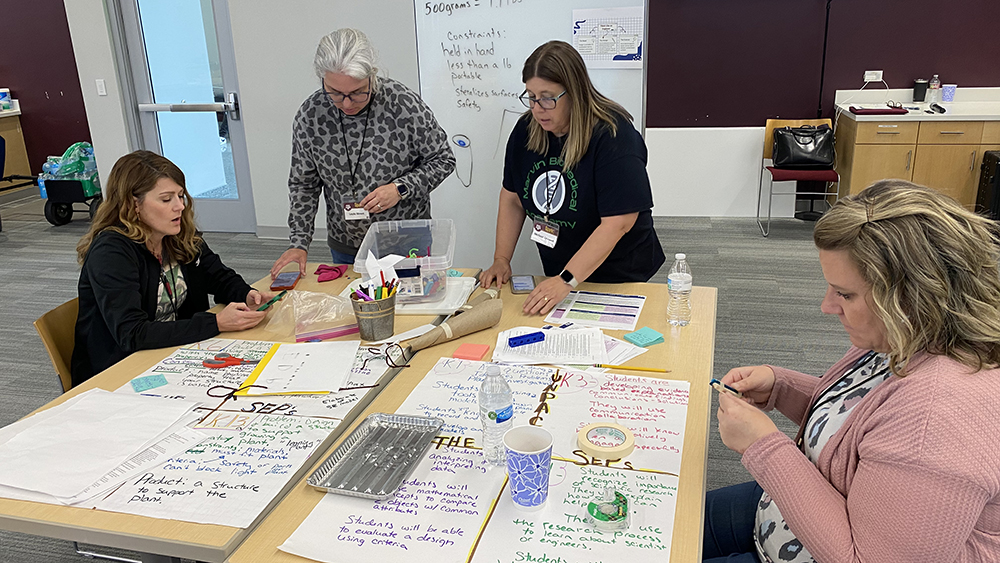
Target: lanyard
552, 186
361, 148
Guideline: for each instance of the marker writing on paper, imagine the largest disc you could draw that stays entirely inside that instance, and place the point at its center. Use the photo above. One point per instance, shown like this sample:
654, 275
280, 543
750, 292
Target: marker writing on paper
722, 387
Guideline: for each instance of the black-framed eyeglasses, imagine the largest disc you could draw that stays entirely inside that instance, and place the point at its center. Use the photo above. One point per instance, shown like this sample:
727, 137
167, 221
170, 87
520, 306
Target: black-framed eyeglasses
356, 97
545, 103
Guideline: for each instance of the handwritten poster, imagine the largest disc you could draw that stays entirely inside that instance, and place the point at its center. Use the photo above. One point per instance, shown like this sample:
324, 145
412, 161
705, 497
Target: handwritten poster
188, 379
457, 508
229, 478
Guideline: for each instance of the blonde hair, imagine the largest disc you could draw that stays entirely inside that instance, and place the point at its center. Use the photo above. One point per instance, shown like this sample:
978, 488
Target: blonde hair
131, 178
559, 62
932, 267
347, 51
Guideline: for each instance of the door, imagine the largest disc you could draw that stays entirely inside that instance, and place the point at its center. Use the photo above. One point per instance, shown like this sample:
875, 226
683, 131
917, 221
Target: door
183, 85
951, 169
874, 162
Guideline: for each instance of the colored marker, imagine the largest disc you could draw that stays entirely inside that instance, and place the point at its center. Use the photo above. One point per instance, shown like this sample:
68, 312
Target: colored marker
272, 301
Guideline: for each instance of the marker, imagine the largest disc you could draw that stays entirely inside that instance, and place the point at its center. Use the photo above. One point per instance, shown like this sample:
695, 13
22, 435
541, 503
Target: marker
632, 368
273, 300
722, 387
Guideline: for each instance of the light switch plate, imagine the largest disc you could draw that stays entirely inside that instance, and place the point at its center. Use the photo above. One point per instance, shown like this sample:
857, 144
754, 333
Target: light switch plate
873, 75
102, 89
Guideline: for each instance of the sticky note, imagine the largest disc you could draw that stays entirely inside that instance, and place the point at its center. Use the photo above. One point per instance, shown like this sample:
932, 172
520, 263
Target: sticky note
645, 336
473, 352
141, 384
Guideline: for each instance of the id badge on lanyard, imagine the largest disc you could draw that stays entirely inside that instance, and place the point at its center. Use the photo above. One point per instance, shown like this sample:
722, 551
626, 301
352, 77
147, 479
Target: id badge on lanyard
545, 232
353, 210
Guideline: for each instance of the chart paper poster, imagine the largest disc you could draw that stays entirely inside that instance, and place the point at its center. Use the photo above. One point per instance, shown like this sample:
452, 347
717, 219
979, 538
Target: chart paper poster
455, 507
610, 37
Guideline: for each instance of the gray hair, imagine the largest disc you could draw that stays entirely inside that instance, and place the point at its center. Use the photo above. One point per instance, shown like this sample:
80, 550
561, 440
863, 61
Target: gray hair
347, 51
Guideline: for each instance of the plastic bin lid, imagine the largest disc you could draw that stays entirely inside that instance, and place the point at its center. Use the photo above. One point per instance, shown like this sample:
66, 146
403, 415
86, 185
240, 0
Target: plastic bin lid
410, 238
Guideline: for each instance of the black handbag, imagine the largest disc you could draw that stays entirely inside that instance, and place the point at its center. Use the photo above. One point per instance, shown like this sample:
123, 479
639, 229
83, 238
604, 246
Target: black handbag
806, 147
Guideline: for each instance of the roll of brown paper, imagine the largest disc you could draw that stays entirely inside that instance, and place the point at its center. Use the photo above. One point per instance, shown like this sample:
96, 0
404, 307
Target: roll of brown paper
482, 315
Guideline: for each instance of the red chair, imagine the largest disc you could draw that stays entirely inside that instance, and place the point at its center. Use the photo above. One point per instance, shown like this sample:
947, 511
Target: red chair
827, 176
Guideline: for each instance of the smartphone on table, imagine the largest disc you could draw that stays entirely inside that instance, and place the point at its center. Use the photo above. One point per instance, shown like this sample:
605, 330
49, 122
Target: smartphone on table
285, 280
522, 284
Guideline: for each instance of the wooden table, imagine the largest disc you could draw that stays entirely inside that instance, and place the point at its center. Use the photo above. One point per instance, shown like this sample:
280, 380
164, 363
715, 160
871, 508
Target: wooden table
688, 352
170, 538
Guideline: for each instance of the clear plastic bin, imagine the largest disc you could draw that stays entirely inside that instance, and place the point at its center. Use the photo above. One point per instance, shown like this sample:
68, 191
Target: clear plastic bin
427, 244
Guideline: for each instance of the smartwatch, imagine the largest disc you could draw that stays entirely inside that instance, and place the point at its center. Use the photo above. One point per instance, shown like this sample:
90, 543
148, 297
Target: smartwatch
403, 191
569, 278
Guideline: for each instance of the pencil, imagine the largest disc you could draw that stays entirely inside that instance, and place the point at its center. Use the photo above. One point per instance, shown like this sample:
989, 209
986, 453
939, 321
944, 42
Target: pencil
632, 368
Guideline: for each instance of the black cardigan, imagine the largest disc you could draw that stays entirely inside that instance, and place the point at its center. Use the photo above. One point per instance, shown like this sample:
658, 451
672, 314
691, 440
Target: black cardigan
118, 289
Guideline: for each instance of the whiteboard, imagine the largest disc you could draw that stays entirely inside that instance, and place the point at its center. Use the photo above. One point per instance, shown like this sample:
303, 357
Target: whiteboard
470, 54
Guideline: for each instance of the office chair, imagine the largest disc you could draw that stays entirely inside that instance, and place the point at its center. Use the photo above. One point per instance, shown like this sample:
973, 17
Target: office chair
784, 174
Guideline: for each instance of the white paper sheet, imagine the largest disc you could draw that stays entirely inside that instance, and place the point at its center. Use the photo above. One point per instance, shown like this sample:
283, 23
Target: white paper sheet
601, 310
306, 367
583, 346
67, 452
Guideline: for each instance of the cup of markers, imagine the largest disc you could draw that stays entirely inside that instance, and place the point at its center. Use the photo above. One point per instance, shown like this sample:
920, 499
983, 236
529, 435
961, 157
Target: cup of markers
375, 309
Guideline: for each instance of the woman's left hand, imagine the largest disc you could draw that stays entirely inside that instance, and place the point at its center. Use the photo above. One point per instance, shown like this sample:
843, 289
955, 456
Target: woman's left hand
257, 298
381, 198
740, 423
546, 295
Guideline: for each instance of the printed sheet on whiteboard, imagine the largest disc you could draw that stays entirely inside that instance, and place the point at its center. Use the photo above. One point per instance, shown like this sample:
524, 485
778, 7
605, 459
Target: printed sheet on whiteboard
610, 37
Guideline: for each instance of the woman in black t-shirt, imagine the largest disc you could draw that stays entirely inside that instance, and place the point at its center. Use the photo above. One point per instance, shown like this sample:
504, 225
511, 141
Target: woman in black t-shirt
576, 167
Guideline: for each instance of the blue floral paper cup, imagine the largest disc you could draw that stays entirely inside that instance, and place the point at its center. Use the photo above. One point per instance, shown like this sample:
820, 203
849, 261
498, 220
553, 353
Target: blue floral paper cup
529, 459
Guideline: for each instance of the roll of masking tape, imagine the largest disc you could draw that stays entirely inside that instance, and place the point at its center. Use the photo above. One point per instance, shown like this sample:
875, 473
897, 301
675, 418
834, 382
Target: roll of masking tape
606, 440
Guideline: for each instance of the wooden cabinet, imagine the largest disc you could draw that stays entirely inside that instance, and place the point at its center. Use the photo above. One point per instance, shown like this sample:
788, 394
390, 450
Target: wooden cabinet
17, 155
945, 155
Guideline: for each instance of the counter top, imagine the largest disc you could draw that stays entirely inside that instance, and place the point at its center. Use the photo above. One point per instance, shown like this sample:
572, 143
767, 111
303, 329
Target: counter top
956, 111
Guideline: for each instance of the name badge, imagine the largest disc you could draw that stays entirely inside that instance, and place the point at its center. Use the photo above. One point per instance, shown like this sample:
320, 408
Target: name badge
545, 232
354, 211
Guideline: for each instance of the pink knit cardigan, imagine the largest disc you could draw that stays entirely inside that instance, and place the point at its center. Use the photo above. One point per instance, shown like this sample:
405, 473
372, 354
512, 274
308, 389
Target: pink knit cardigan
913, 474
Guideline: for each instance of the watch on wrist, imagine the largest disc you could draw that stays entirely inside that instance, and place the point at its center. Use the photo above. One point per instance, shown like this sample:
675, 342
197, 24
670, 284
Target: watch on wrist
404, 192
569, 278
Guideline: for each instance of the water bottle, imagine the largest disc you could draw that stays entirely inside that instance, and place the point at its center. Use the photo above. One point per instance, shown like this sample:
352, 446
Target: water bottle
496, 411
934, 90
679, 286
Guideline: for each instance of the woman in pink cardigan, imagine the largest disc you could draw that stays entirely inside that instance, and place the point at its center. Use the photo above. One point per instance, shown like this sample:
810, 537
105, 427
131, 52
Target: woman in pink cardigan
897, 458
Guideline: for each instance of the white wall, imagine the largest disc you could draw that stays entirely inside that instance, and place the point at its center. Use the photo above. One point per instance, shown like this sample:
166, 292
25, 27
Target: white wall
92, 46
694, 171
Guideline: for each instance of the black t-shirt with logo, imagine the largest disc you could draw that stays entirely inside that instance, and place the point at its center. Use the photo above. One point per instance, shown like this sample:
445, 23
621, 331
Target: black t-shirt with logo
609, 180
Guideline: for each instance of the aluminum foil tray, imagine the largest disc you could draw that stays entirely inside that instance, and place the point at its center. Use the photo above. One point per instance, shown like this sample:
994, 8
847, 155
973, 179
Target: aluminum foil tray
377, 456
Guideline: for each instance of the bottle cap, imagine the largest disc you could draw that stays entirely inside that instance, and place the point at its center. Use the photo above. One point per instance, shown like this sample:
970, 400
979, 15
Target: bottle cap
680, 256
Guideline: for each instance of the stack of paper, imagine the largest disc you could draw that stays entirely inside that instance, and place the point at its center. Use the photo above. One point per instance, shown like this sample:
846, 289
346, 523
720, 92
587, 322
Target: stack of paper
90, 444
306, 368
583, 346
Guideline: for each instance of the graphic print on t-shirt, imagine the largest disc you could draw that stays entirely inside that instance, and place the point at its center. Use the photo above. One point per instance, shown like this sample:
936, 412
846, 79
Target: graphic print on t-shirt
549, 191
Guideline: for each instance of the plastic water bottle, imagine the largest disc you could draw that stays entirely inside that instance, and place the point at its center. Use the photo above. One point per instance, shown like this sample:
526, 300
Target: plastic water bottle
934, 90
679, 285
496, 411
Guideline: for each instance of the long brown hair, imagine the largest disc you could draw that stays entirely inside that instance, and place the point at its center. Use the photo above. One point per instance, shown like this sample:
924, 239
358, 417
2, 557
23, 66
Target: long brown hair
559, 62
932, 266
131, 178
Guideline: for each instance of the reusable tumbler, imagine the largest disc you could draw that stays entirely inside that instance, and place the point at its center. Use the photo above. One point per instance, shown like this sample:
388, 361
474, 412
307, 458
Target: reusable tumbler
919, 89
376, 319
529, 459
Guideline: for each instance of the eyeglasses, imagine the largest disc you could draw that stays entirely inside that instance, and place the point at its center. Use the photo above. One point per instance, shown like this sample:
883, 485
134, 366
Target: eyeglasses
393, 354
894, 105
356, 97
545, 103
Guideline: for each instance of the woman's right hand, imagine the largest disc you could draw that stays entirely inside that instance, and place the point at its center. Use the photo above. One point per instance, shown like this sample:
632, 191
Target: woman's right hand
755, 382
296, 255
237, 316
499, 271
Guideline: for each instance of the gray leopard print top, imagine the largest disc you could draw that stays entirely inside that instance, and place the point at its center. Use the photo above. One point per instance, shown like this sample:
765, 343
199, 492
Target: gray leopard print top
404, 144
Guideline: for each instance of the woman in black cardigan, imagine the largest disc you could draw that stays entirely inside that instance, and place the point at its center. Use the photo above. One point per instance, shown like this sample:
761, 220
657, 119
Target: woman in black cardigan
147, 273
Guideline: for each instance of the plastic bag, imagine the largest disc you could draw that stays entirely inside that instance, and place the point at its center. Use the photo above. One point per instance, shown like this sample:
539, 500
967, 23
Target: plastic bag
74, 161
304, 313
